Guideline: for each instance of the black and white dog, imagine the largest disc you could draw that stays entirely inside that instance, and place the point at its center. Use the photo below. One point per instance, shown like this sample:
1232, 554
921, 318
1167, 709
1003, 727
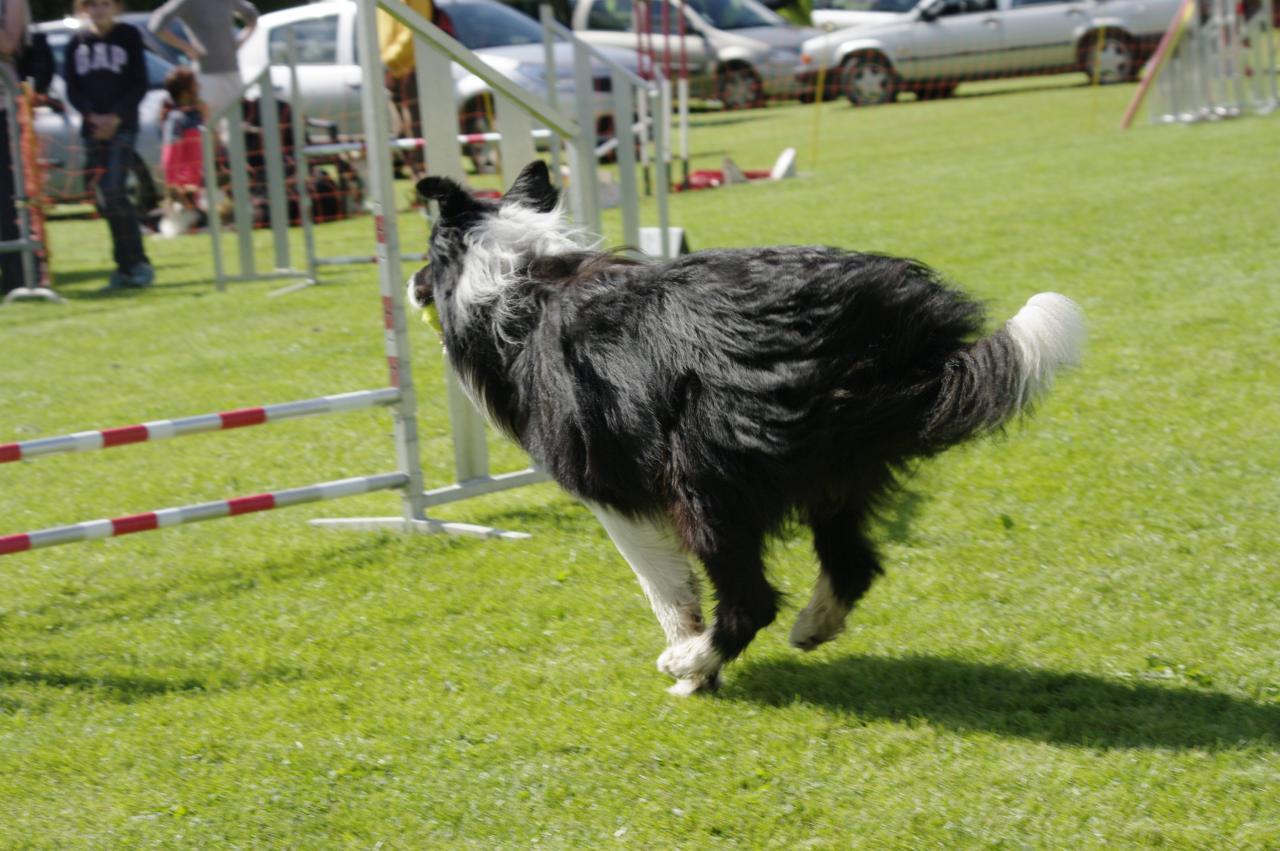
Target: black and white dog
697, 404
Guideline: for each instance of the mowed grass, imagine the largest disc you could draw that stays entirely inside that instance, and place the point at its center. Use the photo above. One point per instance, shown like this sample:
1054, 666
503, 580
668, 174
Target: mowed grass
1075, 644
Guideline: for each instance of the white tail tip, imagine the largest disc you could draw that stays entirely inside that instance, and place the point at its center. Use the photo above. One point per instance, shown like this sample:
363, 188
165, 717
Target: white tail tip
1050, 333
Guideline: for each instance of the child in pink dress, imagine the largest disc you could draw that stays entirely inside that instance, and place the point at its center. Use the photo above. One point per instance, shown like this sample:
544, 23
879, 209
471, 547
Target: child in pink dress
182, 154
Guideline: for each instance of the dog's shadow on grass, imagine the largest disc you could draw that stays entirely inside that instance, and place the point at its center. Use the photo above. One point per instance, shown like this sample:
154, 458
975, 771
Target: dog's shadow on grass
1049, 706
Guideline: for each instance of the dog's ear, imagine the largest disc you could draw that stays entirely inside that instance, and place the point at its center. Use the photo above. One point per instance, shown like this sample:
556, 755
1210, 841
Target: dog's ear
455, 201
533, 189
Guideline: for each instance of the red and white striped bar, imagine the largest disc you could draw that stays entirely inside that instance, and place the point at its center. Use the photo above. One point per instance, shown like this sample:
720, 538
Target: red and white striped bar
167, 517
86, 441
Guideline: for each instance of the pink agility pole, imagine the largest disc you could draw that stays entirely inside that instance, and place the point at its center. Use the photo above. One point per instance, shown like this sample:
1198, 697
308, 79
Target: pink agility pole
86, 441
167, 517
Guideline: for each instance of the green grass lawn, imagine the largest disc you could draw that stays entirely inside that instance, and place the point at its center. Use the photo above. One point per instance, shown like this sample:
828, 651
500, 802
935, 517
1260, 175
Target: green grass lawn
1076, 644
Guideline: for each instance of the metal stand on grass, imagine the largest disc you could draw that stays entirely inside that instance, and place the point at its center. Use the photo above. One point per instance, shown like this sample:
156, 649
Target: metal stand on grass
1216, 60
241, 191
27, 244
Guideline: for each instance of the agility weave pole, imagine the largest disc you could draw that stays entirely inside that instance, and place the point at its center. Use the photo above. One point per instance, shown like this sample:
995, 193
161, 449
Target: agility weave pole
1212, 62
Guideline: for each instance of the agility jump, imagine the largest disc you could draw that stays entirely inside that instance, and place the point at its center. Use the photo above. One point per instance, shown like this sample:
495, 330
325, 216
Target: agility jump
435, 50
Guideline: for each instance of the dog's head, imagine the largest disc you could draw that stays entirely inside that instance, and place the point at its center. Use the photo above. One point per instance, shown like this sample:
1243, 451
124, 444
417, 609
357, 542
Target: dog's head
476, 244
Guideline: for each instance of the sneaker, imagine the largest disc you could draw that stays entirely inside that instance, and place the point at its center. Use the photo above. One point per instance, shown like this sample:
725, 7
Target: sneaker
140, 276
118, 281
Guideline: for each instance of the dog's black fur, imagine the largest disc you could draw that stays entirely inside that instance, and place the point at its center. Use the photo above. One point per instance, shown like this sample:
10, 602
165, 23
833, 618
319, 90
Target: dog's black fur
725, 391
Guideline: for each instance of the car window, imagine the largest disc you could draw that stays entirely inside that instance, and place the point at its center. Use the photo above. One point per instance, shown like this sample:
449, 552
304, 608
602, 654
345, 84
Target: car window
315, 40
481, 25
866, 5
656, 11
948, 8
613, 15
1018, 4
735, 14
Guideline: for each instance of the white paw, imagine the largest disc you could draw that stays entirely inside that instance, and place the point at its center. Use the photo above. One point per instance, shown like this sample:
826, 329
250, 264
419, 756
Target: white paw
817, 625
692, 659
684, 688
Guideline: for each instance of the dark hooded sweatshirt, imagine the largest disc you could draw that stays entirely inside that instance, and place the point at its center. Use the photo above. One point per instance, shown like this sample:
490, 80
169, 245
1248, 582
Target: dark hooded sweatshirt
107, 74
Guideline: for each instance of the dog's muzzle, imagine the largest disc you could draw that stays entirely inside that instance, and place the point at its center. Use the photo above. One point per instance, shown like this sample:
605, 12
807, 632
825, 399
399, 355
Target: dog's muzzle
419, 289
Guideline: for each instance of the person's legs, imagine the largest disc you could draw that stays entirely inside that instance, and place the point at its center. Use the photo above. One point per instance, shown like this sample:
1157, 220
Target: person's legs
11, 276
113, 158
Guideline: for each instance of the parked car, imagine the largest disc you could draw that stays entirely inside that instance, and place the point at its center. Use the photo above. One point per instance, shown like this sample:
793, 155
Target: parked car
330, 77
941, 43
832, 15
738, 51
57, 125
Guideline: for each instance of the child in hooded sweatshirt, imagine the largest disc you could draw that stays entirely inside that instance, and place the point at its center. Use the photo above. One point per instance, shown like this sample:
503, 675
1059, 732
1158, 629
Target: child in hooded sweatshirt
106, 75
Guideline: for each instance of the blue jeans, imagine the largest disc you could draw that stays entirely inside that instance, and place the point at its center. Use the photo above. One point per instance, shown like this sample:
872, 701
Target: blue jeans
108, 167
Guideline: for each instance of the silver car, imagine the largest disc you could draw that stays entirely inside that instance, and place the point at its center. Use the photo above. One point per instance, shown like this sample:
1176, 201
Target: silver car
736, 51
941, 43
330, 77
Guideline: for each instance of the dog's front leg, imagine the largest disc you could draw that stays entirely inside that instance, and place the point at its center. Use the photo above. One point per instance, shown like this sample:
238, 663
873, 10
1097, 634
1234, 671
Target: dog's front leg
668, 580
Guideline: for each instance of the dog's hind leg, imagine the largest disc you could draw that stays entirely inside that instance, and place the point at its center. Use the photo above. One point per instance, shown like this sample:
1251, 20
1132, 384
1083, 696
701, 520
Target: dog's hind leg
848, 567
667, 578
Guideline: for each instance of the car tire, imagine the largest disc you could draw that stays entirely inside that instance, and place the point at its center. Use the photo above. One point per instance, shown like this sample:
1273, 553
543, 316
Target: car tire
1112, 62
868, 80
740, 88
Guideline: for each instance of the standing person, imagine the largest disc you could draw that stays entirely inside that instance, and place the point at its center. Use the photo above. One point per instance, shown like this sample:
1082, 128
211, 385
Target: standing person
395, 42
14, 17
106, 75
211, 42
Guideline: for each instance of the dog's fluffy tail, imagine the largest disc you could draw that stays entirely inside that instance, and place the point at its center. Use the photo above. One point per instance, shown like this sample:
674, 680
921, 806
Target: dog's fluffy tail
992, 380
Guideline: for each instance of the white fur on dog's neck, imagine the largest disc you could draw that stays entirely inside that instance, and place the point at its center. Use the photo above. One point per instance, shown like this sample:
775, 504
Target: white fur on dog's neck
496, 247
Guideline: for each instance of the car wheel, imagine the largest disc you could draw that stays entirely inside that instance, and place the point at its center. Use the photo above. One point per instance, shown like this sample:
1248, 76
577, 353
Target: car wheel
868, 80
1112, 62
740, 88
483, 155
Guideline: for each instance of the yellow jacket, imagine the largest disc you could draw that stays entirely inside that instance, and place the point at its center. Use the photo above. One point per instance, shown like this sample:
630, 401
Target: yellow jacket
395, 40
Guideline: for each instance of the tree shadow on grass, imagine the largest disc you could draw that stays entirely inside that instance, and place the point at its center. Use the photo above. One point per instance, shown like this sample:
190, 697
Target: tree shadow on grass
1048, 706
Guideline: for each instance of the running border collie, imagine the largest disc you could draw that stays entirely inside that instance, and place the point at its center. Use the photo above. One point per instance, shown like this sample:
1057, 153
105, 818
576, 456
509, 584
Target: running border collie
697, 404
